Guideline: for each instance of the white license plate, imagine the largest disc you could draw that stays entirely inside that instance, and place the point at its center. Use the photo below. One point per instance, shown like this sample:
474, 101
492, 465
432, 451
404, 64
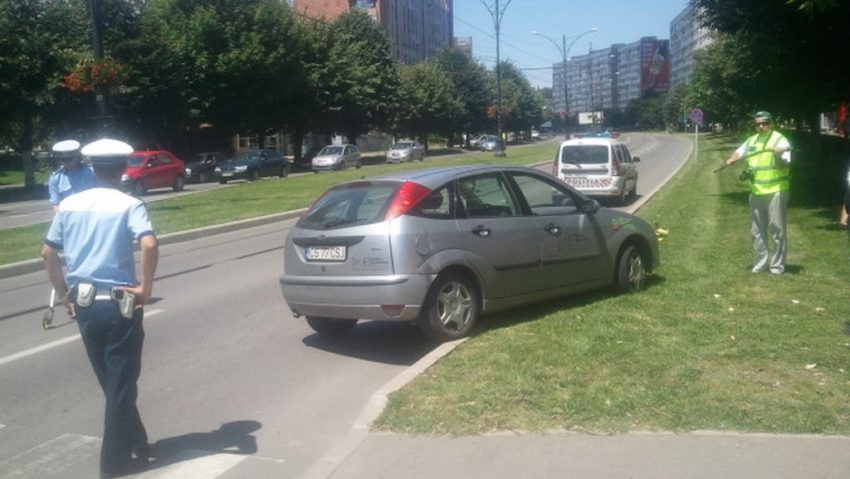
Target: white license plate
227, 174
326, 253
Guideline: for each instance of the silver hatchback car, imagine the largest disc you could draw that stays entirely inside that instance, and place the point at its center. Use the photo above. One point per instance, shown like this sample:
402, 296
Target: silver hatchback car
441, 247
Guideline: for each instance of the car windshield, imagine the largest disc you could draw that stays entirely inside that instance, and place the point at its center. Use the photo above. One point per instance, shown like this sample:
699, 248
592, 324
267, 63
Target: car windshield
358, 203
403, 146
330, 150
585, 154
135, 161
247, 156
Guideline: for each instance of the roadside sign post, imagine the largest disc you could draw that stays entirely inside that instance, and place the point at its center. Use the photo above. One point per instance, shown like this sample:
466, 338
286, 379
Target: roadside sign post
696, 118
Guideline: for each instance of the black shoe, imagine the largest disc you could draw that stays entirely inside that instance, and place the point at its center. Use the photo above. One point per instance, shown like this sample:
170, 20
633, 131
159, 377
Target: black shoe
142, 451
133, 466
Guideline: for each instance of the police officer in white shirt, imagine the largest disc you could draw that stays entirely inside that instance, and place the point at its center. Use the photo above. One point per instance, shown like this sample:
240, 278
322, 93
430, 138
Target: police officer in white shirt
96, 229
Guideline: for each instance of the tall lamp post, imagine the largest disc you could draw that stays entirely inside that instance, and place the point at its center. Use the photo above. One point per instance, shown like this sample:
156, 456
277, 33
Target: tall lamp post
565, 53
496, 14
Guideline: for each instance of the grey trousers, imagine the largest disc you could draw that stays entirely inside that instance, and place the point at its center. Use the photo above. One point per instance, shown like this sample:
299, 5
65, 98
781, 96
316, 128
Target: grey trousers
769, 215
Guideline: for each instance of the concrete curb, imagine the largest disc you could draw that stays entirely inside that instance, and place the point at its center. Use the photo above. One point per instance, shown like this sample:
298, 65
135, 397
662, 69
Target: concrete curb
33, 265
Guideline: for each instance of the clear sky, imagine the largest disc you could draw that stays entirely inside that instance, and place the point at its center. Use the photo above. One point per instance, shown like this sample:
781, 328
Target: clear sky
617, 21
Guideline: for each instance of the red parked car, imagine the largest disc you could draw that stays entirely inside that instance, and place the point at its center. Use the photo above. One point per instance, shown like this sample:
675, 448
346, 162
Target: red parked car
147, 170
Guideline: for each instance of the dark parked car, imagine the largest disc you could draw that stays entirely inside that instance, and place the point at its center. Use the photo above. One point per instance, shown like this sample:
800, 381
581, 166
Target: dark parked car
202, 169
252, 164
441, 247
147, 170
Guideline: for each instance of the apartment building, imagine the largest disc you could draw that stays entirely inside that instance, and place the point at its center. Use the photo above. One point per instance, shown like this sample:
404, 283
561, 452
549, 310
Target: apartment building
687, 36
416, 29
612, 77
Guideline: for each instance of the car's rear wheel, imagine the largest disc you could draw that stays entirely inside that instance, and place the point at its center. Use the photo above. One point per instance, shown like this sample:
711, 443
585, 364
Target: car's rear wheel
254, 175
284, 171
203, 177
331, 326
179, 183
139, 188
358, 164
451, 308
631, 270
223, 181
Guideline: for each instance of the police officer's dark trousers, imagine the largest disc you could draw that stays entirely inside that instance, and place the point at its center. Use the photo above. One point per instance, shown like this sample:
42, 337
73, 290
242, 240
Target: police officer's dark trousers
114, 347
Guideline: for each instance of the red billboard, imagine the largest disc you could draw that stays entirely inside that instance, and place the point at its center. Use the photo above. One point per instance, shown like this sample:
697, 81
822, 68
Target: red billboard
655, 65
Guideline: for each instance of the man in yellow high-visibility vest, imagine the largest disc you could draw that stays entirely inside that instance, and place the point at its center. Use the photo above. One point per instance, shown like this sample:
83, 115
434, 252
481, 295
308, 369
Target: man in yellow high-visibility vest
768, 157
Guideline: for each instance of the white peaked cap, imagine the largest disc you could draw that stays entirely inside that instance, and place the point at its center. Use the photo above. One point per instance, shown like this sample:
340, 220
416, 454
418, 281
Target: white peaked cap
107, 147
66, 146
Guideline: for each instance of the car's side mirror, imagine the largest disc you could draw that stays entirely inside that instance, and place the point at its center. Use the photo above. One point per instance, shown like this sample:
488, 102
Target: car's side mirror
590, 206
635, 159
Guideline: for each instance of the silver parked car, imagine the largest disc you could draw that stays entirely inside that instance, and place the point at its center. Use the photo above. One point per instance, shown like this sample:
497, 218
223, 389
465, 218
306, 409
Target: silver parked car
405, 151
441, 247
336, 157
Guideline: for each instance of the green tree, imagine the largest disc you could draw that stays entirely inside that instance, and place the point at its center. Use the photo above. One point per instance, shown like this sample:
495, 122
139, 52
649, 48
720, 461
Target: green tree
796, 51
428, 102
522, 107
360, 77
232, 64
38, 45
470, 84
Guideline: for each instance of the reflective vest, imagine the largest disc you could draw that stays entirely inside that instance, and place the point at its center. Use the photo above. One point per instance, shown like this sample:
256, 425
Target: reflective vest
767, 177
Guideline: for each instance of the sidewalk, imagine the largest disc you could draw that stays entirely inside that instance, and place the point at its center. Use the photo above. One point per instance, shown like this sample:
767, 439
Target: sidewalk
569, 455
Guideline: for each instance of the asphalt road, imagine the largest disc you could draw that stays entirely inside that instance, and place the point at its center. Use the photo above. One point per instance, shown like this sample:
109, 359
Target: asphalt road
232, 386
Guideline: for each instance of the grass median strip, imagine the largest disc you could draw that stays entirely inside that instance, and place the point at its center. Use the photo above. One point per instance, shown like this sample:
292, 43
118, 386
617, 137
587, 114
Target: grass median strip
709, 345
251, 200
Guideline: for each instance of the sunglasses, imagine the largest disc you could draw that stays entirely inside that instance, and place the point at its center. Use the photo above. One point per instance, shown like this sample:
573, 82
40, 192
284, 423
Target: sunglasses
762, 124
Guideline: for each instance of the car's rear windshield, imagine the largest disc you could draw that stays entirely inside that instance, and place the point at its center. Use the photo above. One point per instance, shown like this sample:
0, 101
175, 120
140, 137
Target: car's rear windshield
247, 156
585, 154
402, 146
357, 203
330, 150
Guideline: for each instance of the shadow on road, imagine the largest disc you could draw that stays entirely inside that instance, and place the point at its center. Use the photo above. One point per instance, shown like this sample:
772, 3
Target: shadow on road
231, 438
378, 341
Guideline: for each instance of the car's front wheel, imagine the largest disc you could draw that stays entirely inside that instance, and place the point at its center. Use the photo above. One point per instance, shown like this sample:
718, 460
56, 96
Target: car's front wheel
139, 188
179, 183
254, 175
451, 308
631, 270
284, 171
331, 326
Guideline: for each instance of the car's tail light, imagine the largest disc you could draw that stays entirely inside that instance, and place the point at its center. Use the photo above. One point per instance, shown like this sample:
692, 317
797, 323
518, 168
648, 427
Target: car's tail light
408, 196
615, 167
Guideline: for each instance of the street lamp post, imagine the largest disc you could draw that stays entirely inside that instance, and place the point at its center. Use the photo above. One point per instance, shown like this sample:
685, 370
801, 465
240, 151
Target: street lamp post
97, 49
496, 14
565, 53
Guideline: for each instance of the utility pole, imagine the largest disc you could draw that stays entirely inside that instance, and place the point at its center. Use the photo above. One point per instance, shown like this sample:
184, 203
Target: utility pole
496, 14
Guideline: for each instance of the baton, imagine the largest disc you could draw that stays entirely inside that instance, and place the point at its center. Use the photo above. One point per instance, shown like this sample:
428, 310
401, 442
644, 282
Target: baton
726, 165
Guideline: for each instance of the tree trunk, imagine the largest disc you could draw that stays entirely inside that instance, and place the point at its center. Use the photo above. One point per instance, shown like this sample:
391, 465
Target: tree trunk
25, 145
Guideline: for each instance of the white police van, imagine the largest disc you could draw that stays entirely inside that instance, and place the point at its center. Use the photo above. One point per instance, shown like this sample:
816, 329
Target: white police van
597, 167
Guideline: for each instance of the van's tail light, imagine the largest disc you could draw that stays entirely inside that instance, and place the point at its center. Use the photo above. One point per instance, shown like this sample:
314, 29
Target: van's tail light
555, 165
615, 167
408, 196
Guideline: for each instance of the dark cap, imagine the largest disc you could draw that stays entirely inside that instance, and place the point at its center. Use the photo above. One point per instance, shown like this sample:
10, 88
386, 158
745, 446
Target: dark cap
764, 116
106, 151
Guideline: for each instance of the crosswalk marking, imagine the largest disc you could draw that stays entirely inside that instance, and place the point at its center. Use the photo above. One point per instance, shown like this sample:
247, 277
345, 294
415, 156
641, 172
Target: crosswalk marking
55, 457
50, 458
195, 465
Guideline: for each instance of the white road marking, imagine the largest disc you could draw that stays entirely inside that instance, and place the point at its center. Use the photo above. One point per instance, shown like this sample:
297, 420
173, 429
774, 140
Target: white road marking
45, 460
197, 465
55, 344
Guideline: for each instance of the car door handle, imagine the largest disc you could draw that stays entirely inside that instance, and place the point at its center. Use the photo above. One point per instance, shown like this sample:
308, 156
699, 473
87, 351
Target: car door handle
481, 231
553, 229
